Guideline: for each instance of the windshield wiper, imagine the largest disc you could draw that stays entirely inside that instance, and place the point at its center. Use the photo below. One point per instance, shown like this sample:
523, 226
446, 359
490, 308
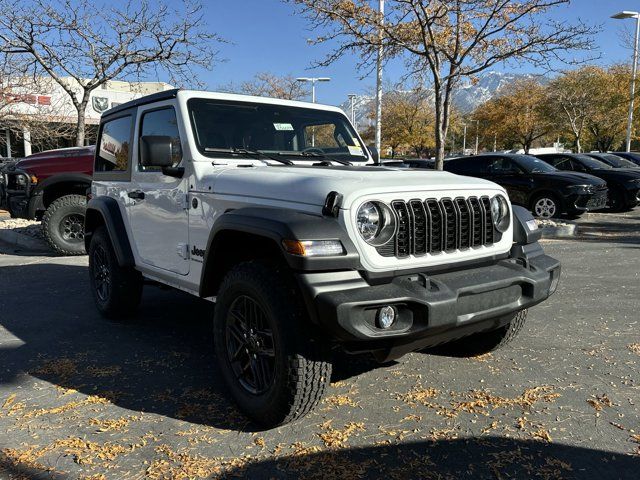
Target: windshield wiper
314, 155
244, 151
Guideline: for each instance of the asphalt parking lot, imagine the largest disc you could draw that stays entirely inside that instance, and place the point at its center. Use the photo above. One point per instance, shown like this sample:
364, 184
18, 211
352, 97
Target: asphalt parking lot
81, 397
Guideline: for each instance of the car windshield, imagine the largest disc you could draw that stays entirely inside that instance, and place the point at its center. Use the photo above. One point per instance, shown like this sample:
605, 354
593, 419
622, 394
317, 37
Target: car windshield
617, 161
594, 163
533, 165
296, 133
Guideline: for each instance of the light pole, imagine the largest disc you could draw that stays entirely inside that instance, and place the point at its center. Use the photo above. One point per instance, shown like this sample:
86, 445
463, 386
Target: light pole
477, 129
379, 80
464, 139
621, 16
352, 104
313, 81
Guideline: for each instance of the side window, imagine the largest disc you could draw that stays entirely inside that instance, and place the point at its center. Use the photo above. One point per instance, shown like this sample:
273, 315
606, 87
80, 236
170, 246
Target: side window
114, 150
503, 166
161, 123
577, 166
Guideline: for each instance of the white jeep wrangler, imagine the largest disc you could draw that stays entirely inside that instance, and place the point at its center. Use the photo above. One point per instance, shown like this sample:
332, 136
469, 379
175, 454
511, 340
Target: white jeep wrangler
277, 211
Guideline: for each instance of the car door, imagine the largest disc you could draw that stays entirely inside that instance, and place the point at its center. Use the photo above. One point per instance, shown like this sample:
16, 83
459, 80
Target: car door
159, 210
518, 184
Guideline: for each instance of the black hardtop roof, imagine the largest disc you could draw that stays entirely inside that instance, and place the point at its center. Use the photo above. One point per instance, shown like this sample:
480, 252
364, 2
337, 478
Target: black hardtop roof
154, 97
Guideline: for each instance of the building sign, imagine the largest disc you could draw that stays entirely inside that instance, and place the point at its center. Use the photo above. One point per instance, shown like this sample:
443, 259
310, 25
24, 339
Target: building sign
100, 104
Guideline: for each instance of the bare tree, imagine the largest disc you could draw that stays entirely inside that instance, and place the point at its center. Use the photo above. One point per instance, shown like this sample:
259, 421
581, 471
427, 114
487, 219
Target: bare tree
447, 39
266, 84
82, 45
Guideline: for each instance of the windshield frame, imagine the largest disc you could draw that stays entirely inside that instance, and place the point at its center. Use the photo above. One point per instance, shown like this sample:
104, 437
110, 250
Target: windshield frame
294, 155
592, 162
618, 162
523, 162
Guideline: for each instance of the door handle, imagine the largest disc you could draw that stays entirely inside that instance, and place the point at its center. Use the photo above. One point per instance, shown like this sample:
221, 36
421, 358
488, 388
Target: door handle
136, 195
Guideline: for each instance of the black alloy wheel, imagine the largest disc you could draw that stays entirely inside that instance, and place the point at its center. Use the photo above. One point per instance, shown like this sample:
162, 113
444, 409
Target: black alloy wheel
101, 273
250, 345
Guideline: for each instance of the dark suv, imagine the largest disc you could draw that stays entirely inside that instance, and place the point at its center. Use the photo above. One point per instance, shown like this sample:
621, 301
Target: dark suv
51, 186
631, 156
534, 184
614, 161
623, 183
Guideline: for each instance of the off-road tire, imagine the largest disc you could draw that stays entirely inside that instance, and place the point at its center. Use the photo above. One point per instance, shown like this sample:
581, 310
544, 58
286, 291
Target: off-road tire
485, 342
60, 210
125, 283
553, 198
302, 370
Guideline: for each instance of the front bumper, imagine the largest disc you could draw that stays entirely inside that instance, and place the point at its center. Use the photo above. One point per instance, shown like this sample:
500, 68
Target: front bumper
430, 308
21, 199
586, 202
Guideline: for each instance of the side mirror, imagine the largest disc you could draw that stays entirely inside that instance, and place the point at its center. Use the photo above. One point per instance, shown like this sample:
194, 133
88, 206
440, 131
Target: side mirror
156, 151
373, 151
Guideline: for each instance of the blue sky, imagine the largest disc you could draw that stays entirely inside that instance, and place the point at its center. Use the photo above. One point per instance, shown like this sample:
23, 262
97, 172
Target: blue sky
267, 35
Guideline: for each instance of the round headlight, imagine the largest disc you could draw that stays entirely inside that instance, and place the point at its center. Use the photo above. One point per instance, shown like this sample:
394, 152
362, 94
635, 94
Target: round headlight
369, 220
500, 213
376, 223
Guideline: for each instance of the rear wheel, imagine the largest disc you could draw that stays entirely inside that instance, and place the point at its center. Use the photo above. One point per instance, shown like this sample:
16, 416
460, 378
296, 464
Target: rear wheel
275, 366
546, 206
63, 224
485, 342
116, 290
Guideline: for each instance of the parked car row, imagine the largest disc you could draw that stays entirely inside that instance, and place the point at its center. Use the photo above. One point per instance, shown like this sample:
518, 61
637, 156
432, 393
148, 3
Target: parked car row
555, 183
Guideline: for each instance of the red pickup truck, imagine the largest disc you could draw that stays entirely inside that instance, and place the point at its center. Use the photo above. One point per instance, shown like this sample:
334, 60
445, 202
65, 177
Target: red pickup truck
51, 186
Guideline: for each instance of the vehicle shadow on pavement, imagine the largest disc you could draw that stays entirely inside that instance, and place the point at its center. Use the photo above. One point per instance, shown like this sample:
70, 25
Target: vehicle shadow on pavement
486, 457
608, 231
161, 361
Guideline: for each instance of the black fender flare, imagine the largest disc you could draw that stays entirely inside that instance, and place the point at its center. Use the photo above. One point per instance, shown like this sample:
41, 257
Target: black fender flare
61, 178
276, 225
105, 211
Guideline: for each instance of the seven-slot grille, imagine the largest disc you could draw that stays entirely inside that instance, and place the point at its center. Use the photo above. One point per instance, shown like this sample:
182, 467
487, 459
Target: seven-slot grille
444, 225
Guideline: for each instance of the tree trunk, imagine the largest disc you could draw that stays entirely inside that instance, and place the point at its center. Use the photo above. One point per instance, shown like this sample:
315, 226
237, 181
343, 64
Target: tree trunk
578, 145
80, 127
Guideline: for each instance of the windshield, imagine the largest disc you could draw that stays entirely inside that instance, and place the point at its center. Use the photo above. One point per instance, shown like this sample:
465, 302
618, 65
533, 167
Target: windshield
591, 162
618, 162
533, 165
293, 132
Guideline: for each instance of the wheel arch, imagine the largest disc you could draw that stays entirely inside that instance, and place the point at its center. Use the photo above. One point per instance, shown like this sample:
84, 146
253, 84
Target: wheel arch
60, 185
257, 233
546, 191
104, 211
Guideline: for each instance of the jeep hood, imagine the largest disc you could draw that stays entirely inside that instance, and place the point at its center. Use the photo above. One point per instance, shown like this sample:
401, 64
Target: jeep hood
310, 185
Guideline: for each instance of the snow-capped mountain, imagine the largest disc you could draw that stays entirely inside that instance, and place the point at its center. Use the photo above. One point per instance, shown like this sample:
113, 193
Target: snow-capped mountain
466, 97
469, 95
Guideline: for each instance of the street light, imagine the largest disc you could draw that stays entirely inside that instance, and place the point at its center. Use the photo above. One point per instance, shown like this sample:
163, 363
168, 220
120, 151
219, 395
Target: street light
622, 16
379, 61
313, 81
464, 140
352, 104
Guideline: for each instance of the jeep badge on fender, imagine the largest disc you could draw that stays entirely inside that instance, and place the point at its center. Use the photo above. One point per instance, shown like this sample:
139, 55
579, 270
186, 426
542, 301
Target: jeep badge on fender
309, 244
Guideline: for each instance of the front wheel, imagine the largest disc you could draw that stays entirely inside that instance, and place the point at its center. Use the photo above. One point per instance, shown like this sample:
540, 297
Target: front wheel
485, 342
546, 206
63, 224
275, 366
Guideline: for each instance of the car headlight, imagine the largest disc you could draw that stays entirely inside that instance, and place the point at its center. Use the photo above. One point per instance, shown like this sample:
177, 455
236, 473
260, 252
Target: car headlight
500, 213
21, 180
581, 189
376, 223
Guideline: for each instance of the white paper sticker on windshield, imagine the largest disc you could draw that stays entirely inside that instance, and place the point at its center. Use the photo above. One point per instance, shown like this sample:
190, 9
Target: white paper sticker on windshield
355, 150
283, 126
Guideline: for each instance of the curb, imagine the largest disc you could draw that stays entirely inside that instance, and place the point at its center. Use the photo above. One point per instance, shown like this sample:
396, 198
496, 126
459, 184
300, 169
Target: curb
560, 231
20, 242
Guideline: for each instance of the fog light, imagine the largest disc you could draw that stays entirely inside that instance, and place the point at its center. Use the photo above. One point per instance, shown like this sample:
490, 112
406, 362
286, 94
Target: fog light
386, 317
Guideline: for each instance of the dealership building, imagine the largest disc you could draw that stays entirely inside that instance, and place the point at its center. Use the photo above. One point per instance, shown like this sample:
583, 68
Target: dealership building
36, 116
